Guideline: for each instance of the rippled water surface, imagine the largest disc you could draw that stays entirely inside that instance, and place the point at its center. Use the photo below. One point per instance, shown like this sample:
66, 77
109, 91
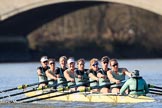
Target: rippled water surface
14, 74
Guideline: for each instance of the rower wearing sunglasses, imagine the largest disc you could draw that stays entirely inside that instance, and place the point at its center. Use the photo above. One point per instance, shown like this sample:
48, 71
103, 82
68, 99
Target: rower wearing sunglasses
92, 73
41, 71
102, 75
117, 75
51, 73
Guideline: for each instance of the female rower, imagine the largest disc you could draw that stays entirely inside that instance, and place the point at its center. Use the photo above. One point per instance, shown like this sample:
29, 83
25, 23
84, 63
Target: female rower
51, 73
102, 75
81, 76
93, 74
117, 75
41, 71
60, 71
69, 73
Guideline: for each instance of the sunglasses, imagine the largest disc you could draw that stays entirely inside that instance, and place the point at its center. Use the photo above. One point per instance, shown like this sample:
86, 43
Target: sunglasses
105, 62
45, 61
116, 64
95, 64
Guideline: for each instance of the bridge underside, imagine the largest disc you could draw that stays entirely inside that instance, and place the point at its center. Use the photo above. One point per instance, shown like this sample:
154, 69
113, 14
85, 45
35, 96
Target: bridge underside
8, 9
17, 18
24, 23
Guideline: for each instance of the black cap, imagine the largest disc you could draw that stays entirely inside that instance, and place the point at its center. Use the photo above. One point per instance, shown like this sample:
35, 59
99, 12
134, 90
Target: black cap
105, 59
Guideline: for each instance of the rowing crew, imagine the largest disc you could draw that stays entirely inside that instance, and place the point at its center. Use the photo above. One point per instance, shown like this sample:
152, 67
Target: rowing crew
136, 85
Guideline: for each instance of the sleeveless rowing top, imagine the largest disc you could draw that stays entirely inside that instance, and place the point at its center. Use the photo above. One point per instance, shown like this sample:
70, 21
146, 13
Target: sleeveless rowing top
54, 82
61, 79
72, 76
90, 79
42, 77
83, 79
103, 81
119, 76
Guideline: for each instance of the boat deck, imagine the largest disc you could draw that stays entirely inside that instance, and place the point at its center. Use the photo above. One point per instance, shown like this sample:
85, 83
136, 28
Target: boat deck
87, 97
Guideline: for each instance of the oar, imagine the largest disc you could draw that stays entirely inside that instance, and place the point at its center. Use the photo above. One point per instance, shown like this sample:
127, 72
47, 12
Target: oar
24, 86
155, 90
60, 94
34, 89
153, 86
155, 93
81, 90
39, 94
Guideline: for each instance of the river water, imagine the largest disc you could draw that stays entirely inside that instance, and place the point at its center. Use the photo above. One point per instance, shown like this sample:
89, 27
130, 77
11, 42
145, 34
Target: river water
14, 74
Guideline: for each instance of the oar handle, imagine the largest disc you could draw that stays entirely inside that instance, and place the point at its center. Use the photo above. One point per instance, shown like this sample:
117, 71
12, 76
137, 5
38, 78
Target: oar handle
29, 85
75, 86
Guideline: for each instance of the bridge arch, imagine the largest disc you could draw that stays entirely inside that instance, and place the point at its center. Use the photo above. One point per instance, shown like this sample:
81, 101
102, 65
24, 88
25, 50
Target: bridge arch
14, 16
20, 22
9, 9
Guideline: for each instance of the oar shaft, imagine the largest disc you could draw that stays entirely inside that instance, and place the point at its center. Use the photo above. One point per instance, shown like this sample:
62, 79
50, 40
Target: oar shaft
29, 85
50, 97
24, 86
82, 90
8, 90
16, 94
153, 86
61, 89
59, 94
155, 90
43, 93
155, 93
35, 96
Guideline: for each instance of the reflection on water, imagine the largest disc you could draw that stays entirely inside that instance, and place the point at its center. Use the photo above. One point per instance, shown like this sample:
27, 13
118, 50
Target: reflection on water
14, 74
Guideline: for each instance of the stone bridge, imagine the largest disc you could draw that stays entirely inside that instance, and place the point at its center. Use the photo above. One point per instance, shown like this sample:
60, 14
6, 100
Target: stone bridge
19, 17
10, 8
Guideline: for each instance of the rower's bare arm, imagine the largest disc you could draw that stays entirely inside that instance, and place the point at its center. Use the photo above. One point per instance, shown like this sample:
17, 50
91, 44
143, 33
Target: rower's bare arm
93, 77
99, 75
58, 75
127, 72
67, 76
39, 72
111, 78
48, 74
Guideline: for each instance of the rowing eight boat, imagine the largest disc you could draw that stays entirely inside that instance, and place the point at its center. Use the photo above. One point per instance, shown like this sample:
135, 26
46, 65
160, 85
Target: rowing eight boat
88, 97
